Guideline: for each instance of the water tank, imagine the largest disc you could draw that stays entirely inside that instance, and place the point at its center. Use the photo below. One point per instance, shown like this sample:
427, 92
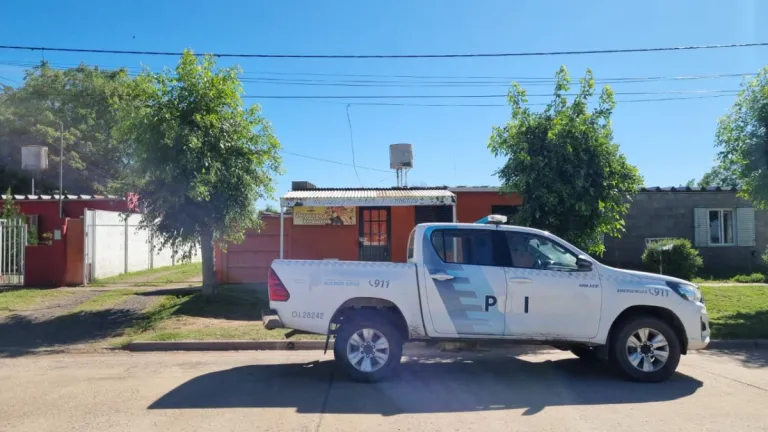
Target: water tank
34, 158
400, 156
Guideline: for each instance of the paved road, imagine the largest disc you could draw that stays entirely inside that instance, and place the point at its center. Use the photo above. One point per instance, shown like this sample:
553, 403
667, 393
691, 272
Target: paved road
536, 391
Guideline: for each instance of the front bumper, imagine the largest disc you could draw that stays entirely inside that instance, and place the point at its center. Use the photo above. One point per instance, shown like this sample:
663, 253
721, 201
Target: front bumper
271, 320
700, 342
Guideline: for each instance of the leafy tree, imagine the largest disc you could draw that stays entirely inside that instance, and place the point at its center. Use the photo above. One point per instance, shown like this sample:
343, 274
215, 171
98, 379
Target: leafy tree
201, 158
85, 100
742, 134
10, 210
565, 164
720, 175
674, 257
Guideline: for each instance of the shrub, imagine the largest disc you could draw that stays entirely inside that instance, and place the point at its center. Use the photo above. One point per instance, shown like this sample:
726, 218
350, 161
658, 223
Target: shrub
765, 256
682, 260
753, 278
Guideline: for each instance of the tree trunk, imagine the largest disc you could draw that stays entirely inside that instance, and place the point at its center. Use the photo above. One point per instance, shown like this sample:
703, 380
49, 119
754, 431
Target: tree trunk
210, 284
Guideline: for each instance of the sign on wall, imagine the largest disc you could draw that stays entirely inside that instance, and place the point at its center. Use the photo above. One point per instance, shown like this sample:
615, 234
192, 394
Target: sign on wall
324, 215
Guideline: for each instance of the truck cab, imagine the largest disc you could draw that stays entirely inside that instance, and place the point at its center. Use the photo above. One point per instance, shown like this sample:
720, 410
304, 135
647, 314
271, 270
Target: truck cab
490, 282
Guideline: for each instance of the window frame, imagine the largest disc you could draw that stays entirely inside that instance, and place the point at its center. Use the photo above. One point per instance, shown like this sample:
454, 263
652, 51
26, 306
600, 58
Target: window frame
720, 210
508, 254
499, 252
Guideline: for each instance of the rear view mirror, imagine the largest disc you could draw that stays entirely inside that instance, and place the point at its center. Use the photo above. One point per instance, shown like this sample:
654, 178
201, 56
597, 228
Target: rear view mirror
583, 263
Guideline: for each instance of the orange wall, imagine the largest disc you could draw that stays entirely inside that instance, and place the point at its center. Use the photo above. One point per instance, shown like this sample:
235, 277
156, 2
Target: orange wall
403, 221
471, 206
325, 241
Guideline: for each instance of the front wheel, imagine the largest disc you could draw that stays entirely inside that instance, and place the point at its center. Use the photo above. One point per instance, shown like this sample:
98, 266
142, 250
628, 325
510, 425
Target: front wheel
646, 349
368, 348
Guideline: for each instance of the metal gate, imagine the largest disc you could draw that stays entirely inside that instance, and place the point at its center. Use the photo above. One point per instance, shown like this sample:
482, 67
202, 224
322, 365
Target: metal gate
13, 242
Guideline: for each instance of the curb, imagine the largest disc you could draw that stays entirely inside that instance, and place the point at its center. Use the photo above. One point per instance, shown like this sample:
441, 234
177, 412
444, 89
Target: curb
305, 345
268, 345
744, 344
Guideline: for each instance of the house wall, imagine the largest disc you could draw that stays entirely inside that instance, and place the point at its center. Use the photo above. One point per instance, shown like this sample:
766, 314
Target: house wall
471, 206
671, 214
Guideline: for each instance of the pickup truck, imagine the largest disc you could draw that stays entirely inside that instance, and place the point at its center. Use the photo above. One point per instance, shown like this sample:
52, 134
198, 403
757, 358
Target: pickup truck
490, 282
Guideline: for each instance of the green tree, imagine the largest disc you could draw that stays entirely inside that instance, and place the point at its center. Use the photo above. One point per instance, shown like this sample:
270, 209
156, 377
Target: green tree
565, 164
201, 158
720, 175
10, 209
742, 135
85, 100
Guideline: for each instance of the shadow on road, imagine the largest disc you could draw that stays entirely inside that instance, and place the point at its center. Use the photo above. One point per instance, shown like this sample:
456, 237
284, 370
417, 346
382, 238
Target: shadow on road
424, 385
753, 358
20, 335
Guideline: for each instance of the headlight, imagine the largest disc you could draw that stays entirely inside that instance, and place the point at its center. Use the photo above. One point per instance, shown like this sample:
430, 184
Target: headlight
689, 292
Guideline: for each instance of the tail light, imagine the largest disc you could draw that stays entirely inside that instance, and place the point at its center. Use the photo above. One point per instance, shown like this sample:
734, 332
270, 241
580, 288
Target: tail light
277, 291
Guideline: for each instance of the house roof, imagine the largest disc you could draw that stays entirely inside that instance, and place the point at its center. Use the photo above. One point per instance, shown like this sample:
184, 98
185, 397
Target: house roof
368, 197
67, 197
689, 189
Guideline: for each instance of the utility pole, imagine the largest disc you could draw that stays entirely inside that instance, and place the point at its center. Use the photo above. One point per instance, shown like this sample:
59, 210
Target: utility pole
61, 169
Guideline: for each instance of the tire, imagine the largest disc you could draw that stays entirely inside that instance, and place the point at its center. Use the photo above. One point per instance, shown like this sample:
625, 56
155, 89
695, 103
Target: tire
641, 359
366, 364
585, 354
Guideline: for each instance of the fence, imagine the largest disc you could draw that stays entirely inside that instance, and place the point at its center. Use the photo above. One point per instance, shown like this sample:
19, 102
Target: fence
13, 242
115, 244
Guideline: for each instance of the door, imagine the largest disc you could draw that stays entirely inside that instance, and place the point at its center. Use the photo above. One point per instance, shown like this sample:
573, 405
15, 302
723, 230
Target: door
547, 294
375, 234
465, 285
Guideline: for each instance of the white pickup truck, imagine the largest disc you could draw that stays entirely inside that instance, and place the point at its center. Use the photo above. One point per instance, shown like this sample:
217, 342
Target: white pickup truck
490, 283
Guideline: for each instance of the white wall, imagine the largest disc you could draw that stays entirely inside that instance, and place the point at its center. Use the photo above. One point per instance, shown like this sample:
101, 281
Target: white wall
115, 244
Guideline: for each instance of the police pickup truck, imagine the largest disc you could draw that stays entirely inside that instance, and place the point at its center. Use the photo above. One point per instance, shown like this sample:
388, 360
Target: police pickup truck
490, 282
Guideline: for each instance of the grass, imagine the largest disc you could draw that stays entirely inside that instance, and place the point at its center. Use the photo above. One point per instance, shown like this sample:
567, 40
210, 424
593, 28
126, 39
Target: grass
26, 299
105, 300
737, 312
160, 275
235, 314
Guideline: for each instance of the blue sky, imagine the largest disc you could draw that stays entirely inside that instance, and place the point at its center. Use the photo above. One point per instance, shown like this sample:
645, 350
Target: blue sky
670, 142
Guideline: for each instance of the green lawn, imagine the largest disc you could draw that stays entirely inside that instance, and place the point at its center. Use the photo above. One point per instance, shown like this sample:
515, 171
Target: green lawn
737, 312
156, 276
235, 314
26, 299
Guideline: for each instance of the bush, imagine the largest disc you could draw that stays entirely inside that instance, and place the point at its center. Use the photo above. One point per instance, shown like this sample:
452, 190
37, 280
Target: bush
765, 256
682, 260
753, 278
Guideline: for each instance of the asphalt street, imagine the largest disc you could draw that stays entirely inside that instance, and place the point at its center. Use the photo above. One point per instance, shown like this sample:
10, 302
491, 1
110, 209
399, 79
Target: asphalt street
542, 390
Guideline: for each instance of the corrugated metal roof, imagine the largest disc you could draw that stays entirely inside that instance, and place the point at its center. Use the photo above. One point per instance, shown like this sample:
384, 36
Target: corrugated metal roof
67, 197
689, 189
382, 197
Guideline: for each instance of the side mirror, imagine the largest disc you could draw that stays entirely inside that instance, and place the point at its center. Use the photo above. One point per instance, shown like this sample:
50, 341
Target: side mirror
583, 263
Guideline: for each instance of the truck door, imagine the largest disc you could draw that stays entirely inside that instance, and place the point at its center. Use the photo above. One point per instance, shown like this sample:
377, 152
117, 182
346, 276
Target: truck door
464, 282
547, 294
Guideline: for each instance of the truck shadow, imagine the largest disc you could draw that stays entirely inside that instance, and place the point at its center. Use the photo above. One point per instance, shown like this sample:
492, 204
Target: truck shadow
437, 384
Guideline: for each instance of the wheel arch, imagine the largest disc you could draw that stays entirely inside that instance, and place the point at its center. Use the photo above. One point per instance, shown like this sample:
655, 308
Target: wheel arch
662, 313
365, 305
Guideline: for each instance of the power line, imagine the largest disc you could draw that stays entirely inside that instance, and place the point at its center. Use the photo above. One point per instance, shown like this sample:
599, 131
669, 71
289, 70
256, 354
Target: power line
387, 56
352, 145
334, 162
470, 96
499, 105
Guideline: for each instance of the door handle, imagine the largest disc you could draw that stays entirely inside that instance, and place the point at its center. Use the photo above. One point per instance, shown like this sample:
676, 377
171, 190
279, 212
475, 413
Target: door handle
519, 280
441, 277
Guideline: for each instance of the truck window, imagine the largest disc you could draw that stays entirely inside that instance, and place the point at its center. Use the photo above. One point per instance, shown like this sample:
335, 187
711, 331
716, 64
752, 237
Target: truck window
536, 252
410, 245
472, 246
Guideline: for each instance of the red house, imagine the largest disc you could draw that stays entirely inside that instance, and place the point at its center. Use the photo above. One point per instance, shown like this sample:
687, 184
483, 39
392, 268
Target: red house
60, 262
353, 224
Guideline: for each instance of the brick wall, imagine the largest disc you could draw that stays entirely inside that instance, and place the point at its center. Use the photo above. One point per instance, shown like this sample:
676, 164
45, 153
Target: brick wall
670, 214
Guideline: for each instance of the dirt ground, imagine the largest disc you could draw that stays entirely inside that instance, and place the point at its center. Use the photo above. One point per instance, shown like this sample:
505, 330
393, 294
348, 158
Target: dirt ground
57, 326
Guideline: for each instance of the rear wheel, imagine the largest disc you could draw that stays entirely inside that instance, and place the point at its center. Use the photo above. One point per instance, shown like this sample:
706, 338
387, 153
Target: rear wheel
646, 349
368, 348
